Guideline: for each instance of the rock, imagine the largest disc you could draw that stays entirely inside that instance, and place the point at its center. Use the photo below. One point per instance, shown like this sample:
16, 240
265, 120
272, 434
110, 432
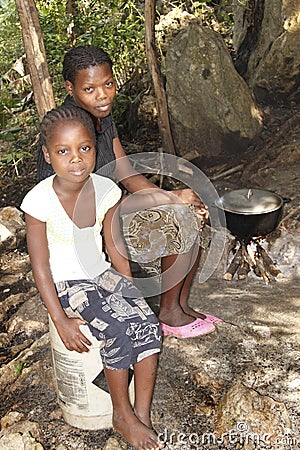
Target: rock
18, 441
13, 302
286, 250
14, 262
31, 317
277, 74
24, 427
19, 434
245, 411
4, 340
266, 37
12, 228
208, 381
114, 444
9, 280
13, 374
11, 418
211, 108
262, 331
5, 233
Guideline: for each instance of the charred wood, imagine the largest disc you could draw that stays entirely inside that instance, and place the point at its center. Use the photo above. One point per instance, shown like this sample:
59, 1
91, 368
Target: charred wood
268, 263
235, 263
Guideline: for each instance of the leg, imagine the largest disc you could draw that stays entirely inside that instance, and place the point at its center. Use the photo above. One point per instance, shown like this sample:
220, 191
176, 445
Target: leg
174, 268
144, 379
125, 421
176, 317
184, 295
185, 291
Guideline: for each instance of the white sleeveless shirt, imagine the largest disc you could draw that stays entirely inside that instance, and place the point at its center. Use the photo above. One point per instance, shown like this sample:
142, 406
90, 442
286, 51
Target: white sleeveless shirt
75, 253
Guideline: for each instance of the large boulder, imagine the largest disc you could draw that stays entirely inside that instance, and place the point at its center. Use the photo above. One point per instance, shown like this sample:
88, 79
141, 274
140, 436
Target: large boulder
211, 108
266, 39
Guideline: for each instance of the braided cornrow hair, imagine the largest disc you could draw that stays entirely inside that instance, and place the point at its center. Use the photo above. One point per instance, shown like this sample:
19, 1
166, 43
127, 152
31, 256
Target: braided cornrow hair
55, 116
82, 57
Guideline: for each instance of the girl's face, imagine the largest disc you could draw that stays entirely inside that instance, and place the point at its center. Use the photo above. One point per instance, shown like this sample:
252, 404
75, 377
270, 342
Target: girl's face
70, 150
94, 90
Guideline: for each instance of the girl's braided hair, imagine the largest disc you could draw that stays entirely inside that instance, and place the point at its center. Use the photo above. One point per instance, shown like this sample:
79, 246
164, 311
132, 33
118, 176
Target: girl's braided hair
55, 116
83, 57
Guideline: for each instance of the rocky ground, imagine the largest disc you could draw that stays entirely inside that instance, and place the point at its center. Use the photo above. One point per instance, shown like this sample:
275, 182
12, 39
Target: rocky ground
235, 388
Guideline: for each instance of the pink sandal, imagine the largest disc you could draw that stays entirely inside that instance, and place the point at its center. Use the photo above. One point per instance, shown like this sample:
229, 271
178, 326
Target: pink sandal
193, 329
210, 318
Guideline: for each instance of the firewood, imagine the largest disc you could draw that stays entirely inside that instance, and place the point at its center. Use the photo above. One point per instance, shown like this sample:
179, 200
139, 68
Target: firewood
263, 273
244, 267
271, 268
227, 172
249, 259
232, 268
289, 215
243, 270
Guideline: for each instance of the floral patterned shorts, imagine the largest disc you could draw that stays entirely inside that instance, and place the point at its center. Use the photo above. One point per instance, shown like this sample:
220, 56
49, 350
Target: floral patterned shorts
116, 313
165, 230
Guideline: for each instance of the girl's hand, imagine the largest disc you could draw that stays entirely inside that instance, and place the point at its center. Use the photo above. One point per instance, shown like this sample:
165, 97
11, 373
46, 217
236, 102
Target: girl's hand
190, 197
71, 335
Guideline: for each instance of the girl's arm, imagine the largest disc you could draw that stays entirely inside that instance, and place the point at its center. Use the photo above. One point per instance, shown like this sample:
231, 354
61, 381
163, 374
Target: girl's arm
114, 241
37, 244
126, 174
134, 181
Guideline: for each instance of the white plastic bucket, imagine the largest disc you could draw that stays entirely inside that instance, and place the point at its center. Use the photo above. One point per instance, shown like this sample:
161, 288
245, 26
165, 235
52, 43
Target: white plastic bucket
81, 386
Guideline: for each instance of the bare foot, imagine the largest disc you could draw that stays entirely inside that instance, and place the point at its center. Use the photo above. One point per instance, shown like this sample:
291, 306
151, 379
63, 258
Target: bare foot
136, 433
196, 314
190, 311
144, 418
175, 317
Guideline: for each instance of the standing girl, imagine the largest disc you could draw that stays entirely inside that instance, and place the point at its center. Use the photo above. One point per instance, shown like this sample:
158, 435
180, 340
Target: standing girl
65, 214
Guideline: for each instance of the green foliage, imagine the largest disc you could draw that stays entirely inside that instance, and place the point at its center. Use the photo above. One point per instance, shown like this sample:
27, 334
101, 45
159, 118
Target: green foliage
14, 144
11, 45
115, 25
18, 369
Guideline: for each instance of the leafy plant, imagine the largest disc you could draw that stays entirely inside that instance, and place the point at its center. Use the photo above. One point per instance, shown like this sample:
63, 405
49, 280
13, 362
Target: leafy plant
14, 155
115, 25
19, 369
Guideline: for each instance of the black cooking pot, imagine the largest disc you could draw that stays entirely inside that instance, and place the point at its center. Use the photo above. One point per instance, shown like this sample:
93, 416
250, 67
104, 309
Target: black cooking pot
251, 212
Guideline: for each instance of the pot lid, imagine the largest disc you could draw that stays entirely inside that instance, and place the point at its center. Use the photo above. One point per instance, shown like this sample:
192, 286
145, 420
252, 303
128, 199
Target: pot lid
250, 201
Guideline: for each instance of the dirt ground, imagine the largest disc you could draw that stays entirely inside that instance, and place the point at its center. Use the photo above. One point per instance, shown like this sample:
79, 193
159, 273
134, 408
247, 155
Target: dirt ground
257, 344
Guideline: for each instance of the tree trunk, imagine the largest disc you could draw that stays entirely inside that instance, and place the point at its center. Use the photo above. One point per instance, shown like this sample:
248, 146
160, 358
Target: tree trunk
36, 56
162, 108
252, 21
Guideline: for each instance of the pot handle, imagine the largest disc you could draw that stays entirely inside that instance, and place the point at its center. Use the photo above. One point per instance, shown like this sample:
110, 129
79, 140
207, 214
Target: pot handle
286, 199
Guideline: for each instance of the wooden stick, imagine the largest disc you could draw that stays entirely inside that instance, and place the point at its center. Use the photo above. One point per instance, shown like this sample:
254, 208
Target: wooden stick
263, 273
157, 79
271, 267
227, 172
244, 268
243, 271
249, 259
232, 268
289, 215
